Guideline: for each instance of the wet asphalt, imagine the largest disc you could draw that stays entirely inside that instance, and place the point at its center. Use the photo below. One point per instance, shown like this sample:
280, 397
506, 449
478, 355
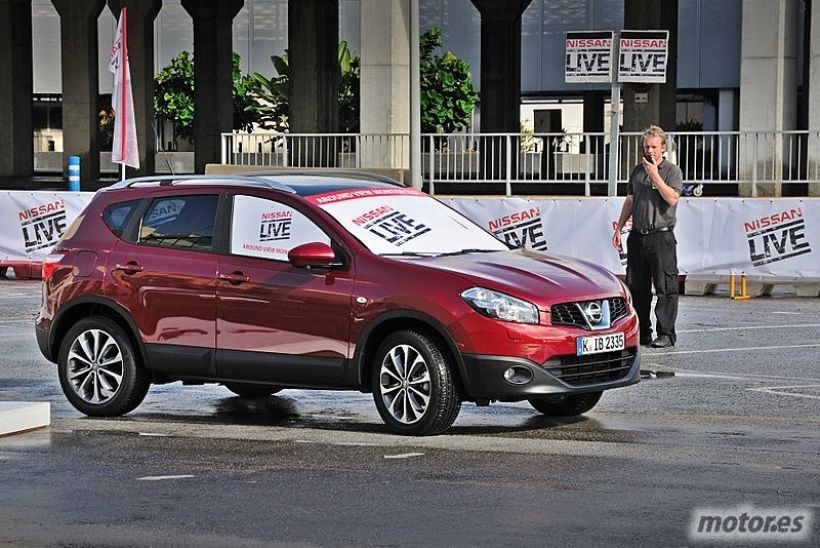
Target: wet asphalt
730, 417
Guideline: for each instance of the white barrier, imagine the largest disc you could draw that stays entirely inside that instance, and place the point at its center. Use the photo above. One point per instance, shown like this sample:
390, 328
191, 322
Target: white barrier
32, 222
766, 238
20, 416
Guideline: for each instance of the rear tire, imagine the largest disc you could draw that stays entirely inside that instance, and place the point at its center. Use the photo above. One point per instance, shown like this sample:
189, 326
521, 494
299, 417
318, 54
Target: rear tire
413, 385
99, 370
566, 405
250, 390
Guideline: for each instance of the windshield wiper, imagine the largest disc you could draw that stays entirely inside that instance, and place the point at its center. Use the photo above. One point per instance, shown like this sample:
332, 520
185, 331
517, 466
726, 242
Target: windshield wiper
438, 253
468, 250
410, 254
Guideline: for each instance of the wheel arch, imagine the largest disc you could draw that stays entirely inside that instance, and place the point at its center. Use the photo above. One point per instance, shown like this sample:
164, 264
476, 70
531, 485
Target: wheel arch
398, 320
84, 307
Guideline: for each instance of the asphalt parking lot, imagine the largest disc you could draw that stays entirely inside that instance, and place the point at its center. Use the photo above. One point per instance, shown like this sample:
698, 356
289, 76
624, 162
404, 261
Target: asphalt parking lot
727, 419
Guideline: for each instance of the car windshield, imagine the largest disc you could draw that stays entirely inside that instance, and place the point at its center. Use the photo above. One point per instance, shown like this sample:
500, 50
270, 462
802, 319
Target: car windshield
405, 221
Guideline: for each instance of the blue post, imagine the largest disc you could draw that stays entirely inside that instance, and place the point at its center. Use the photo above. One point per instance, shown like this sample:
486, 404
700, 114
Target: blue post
73, 173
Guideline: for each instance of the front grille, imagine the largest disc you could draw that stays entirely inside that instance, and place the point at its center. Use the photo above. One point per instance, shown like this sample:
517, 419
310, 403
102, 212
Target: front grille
617, 308
570, 313
592, 369
567, 314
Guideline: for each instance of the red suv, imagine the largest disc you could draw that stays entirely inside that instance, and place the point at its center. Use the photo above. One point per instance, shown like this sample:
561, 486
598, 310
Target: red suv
328, 281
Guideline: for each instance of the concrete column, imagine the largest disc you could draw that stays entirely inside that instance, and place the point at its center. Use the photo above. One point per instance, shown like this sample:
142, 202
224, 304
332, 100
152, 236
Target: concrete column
213, 80
16, 134
141, 15
385, 79
313, 44
594, 123
500, 64
727, 152
80, 83
814, 99
661, 106
500, 83
768, 91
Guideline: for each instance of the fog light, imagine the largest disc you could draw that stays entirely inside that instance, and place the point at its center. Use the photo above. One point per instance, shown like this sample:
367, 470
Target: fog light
517, 375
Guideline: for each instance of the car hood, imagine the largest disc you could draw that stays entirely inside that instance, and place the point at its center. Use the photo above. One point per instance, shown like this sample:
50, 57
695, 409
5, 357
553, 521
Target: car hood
541, 278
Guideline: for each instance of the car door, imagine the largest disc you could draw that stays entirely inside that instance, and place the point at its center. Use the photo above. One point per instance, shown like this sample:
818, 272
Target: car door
276, 322
164, 274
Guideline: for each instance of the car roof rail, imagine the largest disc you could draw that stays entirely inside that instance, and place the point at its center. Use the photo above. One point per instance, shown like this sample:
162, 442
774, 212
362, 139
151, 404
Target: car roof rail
363, 175
169, 180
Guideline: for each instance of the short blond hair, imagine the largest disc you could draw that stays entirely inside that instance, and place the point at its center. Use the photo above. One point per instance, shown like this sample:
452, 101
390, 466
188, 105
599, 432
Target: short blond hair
655, 131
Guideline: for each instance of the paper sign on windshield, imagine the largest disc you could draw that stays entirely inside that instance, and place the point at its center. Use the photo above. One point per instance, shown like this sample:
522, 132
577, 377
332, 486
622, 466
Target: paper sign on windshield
404, 220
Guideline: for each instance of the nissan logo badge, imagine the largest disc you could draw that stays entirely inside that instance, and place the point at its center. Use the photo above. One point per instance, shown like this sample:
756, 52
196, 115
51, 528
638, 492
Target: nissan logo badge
593, 311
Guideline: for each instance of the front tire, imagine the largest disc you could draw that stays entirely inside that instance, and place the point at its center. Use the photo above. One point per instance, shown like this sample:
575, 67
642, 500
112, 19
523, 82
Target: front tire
413, 385
567, 405
99, 371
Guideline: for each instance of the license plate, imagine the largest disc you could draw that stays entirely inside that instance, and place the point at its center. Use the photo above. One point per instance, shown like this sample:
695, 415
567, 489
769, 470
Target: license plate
600, 343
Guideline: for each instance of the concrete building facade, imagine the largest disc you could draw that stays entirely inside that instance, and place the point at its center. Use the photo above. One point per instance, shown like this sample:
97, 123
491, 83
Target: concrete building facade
733, 58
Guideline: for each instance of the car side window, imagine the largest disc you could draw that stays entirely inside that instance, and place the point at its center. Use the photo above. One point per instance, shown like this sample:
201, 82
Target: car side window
269, 229
116, 216
185, 222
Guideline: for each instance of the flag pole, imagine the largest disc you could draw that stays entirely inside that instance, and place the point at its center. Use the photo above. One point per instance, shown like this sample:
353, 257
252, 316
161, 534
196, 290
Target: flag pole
123, 111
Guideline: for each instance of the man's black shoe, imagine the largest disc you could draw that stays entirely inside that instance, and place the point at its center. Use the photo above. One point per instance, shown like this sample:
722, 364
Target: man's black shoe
646, 341
664, 341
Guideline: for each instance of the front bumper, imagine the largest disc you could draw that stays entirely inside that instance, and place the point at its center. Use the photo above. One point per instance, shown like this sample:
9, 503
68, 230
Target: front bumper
484, 377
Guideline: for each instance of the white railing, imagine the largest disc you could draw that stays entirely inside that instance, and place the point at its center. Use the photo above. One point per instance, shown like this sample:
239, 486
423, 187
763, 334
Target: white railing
356, 150
547, 163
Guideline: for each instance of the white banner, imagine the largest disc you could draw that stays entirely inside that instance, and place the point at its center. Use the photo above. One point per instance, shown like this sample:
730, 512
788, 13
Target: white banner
769, 237
32, 222
779, 237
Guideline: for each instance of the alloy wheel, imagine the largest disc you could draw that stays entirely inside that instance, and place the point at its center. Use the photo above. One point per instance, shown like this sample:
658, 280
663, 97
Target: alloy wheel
404, 384
95, 366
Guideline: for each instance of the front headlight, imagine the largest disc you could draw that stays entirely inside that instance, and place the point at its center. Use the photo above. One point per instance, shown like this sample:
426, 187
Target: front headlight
500, 306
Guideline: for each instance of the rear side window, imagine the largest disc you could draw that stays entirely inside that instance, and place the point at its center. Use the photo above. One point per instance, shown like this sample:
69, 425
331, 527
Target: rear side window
116, 216
185, 222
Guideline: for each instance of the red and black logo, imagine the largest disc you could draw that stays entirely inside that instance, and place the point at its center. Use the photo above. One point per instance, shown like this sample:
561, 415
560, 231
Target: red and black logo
777, 237
42, 225
521, 229
391, 225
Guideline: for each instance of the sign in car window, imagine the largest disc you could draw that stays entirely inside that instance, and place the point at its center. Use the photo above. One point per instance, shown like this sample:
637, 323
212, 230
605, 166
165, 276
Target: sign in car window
404, 221
163, 211
267, 229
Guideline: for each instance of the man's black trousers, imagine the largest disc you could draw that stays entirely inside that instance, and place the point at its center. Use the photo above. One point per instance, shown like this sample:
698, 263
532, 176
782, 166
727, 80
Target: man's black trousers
652, 259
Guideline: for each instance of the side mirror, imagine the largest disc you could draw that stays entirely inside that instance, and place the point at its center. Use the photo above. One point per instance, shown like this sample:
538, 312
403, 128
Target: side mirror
313, 255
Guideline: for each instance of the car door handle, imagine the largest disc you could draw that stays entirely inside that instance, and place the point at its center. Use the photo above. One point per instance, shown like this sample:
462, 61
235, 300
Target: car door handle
235, 278
129, 267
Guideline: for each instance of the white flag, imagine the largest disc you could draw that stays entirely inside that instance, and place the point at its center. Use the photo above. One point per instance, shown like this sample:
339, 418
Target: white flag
124, 150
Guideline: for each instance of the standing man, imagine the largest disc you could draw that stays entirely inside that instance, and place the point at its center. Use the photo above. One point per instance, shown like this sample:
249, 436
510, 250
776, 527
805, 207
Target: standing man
652, 195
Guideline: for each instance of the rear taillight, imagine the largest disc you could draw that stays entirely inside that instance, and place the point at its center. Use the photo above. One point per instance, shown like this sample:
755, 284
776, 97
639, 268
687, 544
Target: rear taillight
50, 265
